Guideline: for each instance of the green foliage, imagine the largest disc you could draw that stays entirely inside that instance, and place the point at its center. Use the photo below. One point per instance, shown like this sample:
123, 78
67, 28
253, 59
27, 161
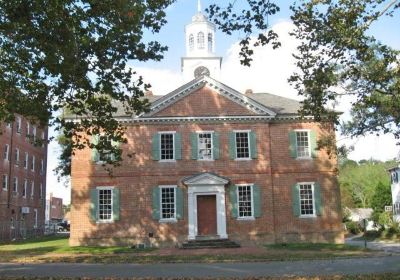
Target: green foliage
353, 227
382, 197
72, 55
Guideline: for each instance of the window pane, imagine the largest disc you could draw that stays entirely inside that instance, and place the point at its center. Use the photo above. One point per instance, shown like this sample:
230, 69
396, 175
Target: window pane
205, 146
200, 40
105, 205
303, 149
242, 145
167, 203
306, 200
244, 201
167, 146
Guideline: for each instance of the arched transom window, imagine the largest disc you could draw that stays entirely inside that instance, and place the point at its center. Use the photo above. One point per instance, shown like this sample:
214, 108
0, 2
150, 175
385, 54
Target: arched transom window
200, 40
191, 42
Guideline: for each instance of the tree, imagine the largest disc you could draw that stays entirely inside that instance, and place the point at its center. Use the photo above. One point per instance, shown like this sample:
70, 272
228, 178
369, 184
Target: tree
336, 57
382, 197
72, 55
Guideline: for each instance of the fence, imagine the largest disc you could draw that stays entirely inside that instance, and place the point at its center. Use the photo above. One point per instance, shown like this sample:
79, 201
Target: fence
19, 230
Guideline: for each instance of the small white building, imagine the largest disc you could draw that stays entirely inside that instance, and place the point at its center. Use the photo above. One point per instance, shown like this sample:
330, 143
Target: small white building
359, 214
395, 186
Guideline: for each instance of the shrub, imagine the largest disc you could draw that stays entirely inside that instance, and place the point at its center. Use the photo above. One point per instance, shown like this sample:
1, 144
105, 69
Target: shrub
353, 227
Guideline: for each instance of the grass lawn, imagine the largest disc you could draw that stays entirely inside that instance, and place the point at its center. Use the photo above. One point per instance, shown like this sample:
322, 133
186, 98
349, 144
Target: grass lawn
56, 249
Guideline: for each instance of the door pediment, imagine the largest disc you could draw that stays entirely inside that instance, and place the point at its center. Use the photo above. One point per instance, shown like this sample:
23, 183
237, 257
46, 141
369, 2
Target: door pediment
205, 179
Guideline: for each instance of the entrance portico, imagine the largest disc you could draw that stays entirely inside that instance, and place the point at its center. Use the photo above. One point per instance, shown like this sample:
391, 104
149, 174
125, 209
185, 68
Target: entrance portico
203, 189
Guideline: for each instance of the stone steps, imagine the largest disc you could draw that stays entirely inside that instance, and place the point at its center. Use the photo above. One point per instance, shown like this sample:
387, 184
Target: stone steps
209, 244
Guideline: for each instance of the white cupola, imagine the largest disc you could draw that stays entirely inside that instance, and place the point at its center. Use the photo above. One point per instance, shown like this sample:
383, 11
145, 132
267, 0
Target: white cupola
200, 48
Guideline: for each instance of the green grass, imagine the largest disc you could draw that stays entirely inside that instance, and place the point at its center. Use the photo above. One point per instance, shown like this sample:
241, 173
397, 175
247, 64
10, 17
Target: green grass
314, 247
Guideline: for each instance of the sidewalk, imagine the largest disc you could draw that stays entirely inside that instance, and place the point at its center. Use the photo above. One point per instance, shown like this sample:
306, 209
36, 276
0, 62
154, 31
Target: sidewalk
295, 268
387, 247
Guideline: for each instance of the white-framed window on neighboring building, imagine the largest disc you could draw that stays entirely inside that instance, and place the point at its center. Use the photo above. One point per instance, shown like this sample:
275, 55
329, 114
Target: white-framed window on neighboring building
41, 166
33, 163
205, 146
395, 177
16, 155
18, 125
8, 125
26, 160
307, 199
245, 201
32, 189
15, 185
35, 214
25, 189
34, 131
5, 182
27, 130
303, 143
200, 40
242, 144
12, 223
6, 152
41, 190
167, 146
43, 140
168, 202
105, 204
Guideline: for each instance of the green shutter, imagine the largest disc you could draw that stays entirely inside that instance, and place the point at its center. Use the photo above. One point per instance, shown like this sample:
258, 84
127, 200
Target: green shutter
156, 147
156, 203
296, 200
93, 204
318, 200
116, 204
313, 143
215, 139
95, 152
253, 144
234, 200
194, 140
232, 145
179, 203
293, 144
257, 201
178, 146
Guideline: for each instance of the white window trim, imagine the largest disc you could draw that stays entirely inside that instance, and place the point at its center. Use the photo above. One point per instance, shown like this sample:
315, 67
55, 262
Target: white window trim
309, 142
313, 200
212, 144
15, 183
18, 128
33, 163
7, 157
6, 188
17, 156
26, 160
248, 144
98, 221
32, 189
252, 202
167, 220
173, 148
25, 188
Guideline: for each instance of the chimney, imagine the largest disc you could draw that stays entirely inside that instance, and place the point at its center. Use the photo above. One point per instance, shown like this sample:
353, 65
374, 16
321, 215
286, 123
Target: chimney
248, 91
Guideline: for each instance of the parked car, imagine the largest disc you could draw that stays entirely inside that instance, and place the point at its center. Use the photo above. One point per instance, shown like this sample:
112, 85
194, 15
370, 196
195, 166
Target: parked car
63, 226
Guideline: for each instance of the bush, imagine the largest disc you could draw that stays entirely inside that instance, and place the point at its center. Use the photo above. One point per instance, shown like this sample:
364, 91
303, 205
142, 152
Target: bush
353, 227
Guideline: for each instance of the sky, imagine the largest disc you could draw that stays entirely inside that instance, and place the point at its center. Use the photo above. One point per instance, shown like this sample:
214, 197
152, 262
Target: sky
268, 73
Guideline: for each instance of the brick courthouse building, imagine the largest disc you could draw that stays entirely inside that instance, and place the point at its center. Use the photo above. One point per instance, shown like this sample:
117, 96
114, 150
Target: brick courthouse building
210, 162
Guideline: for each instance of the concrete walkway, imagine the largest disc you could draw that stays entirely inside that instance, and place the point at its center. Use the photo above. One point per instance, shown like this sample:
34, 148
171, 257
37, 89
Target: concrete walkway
299, 268
387, 247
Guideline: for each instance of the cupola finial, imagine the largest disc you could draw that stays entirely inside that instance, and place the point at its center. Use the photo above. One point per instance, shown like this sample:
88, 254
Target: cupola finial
199, 6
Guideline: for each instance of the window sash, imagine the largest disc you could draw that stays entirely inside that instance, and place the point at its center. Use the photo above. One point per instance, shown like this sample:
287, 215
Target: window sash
303, 147
105, 204
167, 146
307, 200
245, 201
5, 182
205, 146
242, 140
168, 203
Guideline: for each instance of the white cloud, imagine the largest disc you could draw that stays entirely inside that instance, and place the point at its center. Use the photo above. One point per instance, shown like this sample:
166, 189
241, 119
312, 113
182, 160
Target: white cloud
162, 81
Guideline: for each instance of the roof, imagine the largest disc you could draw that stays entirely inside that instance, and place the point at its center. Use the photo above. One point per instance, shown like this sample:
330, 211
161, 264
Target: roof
280, 105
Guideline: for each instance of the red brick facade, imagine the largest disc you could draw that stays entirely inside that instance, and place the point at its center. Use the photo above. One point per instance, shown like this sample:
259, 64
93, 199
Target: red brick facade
18, 207
274, 171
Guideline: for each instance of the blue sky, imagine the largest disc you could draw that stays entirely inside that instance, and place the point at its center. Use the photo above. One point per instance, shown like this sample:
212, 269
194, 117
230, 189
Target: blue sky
268, 74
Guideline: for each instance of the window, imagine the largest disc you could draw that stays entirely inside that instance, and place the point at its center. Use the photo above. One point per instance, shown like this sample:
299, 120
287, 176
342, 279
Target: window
205, 146
396, 208
191, 42
242, 144
245, 205
18, 121
24, 190
303, 144
8, 125
26, 160
5, 182
167, 203
43, 140
32, 189
27, 130
34, 134
33, 163
16, 157
395, 177
41, 166
200, 40
15, 185
41, 190
306, 200
167, 146
210, 42
6, 152
35, 212
105, 204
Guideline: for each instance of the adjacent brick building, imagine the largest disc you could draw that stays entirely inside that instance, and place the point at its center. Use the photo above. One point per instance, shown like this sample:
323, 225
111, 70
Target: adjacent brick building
210, 162
23, 178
